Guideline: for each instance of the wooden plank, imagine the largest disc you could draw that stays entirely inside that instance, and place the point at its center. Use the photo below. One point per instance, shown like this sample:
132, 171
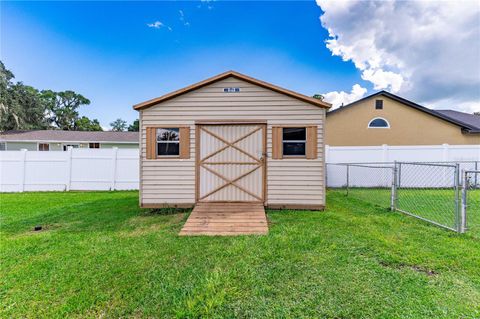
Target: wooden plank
184, 142
277, 148
223, 219
311, 151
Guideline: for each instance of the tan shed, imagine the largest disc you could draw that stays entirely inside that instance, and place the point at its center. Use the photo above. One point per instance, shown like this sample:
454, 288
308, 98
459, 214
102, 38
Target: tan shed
232, 138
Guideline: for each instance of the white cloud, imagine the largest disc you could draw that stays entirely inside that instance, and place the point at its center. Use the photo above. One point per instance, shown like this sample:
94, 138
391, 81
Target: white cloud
158, 25
428, 51
343, 98
182, 18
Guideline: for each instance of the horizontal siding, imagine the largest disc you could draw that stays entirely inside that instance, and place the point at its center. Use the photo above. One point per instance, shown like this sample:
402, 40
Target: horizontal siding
289, 181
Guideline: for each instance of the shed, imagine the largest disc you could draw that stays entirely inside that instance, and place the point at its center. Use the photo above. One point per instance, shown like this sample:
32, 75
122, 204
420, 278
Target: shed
232, 138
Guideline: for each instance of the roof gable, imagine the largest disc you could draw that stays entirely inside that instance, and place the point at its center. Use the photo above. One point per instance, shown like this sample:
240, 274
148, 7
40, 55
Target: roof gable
237, 75
411, 104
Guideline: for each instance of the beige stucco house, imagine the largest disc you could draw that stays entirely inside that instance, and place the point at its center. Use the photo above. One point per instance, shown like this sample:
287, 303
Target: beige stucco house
232, 138
385, 118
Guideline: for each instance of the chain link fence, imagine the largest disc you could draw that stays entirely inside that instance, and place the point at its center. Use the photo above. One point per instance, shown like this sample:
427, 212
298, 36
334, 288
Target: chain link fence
371, 182
434, 192
471, 199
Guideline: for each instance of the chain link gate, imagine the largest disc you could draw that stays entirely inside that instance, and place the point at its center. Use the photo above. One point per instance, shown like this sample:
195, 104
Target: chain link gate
438, 193
470, 205
428, 191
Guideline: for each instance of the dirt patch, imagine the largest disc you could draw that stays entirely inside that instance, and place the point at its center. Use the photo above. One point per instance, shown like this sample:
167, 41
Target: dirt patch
417, 268
164, 211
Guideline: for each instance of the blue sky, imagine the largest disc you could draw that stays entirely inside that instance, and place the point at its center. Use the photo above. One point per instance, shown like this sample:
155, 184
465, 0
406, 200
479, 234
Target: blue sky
106, 51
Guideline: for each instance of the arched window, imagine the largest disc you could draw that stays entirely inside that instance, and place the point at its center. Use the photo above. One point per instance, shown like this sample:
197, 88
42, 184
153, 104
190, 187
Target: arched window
378, 122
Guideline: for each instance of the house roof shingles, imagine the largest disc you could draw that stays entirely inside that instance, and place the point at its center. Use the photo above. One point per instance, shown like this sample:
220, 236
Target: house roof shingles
69, 136
471, 119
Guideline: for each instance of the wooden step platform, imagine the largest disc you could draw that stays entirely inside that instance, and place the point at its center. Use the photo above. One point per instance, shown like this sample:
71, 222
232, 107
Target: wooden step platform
226, 219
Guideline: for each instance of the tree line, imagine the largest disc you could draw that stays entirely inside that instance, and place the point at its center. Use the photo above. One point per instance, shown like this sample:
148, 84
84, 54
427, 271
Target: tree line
23, 107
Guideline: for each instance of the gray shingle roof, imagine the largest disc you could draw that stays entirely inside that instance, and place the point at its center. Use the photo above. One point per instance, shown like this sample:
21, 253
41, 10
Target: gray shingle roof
470, 119
69, 136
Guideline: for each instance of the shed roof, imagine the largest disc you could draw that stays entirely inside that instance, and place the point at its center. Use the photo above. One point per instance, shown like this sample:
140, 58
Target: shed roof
237, 75
449, 116
70, 136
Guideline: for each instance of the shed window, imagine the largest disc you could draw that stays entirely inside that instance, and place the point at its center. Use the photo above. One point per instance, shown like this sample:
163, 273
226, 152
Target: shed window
93, 145
294, 141
378, 123
168, 141
379, 104
44, 147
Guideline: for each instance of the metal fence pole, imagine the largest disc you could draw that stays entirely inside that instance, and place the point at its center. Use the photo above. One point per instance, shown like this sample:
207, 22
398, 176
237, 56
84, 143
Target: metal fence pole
399, 174
476, 180
393, 192
458, 224
463, 210
348, 177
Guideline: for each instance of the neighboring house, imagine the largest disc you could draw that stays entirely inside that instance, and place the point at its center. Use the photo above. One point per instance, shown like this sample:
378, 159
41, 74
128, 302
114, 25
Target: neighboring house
385, 118
56, 140
232, 138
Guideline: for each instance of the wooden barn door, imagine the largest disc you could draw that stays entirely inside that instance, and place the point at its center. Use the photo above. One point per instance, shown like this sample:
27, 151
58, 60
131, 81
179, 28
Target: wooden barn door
231, 163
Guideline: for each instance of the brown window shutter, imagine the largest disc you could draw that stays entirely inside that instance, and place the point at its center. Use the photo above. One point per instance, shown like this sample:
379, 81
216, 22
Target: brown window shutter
311, 151
184, 142
277, 147
150, 143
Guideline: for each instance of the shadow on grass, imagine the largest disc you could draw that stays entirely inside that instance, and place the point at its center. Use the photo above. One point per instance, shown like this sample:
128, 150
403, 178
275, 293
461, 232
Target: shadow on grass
164, 211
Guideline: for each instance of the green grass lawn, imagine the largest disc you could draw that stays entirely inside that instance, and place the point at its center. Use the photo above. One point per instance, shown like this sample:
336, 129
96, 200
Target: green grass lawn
102, 256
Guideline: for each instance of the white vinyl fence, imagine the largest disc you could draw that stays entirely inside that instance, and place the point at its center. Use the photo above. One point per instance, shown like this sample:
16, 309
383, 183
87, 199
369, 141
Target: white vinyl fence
381, 158
116, 169
75, 169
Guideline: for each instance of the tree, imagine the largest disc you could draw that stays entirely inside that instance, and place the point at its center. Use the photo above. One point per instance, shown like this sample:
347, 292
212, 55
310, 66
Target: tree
318, 97
63, 107
21, 107
118, 125
85, 124
135, 126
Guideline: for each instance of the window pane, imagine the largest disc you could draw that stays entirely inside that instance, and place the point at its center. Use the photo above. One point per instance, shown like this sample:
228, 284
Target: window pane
43, 147
378, 123
168, 134
290, 148
3, 147
168, 149
94, 145
294, 134
379, 104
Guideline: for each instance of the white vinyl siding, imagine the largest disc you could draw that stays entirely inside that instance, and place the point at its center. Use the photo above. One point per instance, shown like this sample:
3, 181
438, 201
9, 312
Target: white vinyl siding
289, 181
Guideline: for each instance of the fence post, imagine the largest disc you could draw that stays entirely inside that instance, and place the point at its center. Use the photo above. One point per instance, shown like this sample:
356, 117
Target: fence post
393, 195
463, 209
348, 177
114, 167
68, 180
445, 152
384, 153
475, 185
23, 159
458, 216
